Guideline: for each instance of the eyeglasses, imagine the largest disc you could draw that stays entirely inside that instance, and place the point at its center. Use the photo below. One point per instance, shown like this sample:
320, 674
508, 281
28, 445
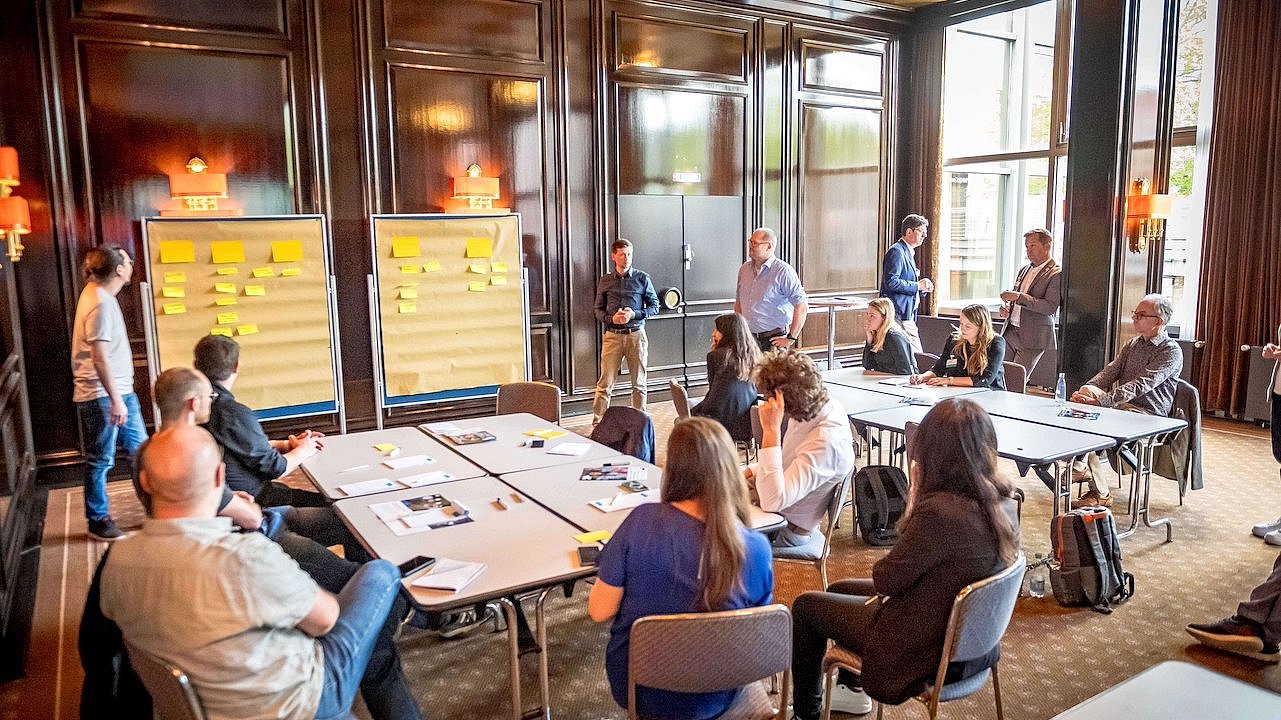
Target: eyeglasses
213, 396
1136, 315
762, 242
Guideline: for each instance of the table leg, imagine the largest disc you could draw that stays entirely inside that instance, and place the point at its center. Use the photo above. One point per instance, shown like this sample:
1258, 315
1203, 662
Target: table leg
513, 645
1141, 496
831, 338
544, 686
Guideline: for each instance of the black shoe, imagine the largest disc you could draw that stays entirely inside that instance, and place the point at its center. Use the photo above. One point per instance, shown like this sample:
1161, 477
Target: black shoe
105, 530
464, 623
1236, 635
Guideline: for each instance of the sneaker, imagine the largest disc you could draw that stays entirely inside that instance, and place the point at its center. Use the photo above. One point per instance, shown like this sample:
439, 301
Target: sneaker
463, 623
1092, 499
849, 700
1273, 538
1263, 528
105, 530
1236, 635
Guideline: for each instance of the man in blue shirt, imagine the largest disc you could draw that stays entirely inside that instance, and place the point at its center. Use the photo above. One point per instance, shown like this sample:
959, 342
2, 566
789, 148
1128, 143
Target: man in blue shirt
624, 299
769, 294
900, 279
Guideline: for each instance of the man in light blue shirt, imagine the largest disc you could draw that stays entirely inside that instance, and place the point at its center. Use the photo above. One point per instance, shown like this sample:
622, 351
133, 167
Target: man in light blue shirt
769, 294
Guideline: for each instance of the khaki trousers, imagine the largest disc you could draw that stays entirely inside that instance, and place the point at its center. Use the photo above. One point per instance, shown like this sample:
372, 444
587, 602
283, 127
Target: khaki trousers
614, 348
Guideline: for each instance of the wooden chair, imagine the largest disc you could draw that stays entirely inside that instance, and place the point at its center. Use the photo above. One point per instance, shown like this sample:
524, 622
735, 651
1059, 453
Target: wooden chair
536, 398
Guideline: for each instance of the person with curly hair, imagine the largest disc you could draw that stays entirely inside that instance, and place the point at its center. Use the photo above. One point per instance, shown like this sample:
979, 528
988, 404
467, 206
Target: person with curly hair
794, 474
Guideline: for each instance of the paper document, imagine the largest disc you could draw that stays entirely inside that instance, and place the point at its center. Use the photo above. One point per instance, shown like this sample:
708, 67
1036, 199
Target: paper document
367, 487
897, 381
440, 428
452, 575
427, 478
625, 501
572, 449
411, 461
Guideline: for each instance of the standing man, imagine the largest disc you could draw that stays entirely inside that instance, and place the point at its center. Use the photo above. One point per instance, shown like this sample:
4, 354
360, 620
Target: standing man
769, 294
1032, 304
900, 278
624, 299
102, 369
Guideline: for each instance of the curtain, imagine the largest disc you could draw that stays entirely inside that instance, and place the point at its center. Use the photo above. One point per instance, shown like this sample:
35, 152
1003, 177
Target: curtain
1240, 289
921, 145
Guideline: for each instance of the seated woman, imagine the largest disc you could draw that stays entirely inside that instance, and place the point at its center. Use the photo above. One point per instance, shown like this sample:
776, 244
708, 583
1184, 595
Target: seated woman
960, 527
730, 392
973, 356
690, 553
887, 349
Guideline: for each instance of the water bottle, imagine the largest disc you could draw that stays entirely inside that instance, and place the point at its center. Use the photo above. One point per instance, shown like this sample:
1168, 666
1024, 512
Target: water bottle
1036, 578
1060, 390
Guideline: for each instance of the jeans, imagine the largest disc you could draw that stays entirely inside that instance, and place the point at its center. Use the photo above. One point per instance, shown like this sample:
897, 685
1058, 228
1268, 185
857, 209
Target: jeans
101, 438
315, 523
841, 614
359, 652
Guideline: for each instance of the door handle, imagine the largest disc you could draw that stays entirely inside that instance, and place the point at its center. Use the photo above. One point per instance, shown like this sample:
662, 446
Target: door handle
687, 254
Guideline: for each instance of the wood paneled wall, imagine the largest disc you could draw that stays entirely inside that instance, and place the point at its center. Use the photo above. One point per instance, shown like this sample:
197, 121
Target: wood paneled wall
353, 107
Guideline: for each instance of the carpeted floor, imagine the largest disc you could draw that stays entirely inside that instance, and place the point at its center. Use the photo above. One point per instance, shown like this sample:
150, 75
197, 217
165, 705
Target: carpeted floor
1053, 657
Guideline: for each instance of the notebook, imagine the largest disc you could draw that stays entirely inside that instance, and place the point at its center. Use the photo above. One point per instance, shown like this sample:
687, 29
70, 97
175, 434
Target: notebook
451, 575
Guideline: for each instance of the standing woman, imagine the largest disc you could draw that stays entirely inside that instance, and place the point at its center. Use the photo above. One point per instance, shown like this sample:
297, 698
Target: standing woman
730, 391
973, 356
959, 528
690, 553
888, 349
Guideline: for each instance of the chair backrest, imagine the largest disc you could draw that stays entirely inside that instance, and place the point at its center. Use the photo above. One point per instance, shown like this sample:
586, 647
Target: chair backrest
708, 652
980, 615
834, 506
627, 430
1015, 377
172, 696
680, 399
925, 361
536, 398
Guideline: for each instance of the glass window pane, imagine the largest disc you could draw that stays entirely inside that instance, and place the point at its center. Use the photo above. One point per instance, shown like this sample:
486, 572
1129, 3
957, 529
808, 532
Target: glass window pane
1182, 237
975, 94
1190, 62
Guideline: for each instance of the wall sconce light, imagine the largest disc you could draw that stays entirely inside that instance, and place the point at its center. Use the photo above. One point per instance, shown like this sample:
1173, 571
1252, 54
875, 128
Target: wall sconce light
1150, 210
198, 190
15, 215
480, 192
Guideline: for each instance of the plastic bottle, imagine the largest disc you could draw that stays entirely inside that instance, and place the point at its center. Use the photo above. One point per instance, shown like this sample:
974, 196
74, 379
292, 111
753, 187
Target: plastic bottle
1060, 390
1036, 577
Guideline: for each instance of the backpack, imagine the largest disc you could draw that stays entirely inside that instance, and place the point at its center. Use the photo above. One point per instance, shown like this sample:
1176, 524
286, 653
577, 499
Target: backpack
1086, 563
880, 497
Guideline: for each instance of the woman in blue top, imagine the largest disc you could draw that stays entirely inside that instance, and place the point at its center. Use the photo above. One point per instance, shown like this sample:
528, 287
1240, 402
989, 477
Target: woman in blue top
690, 553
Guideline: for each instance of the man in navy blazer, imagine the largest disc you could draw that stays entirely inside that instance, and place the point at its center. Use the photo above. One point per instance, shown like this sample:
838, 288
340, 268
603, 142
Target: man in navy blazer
900, 279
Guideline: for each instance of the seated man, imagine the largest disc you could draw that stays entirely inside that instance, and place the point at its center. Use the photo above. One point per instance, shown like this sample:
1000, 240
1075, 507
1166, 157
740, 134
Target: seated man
254, 463
1255, 630
795, 473
1142, 378
256, 635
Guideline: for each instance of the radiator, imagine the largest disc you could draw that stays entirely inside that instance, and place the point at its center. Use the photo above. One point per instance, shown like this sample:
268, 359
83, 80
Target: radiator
1258, 382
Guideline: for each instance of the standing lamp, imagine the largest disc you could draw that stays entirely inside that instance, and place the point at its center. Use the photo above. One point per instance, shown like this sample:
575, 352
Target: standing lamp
15, 215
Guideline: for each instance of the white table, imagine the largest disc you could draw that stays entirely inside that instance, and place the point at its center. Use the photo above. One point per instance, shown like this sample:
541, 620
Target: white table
511, 451
1176, 689
857, 400
352, 458
895, 385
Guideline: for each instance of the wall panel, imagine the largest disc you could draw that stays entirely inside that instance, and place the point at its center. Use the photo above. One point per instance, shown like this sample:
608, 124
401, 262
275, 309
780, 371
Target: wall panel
479, 28
229, 15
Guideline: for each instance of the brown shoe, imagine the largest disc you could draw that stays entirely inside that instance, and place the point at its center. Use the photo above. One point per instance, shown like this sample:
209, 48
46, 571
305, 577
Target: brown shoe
1092, 499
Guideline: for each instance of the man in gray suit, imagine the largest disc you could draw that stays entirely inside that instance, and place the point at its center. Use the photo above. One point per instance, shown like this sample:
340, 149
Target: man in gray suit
1030, 307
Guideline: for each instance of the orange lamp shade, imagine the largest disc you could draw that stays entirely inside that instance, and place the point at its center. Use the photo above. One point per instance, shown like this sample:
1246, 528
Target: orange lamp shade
15, 215
8, 166
468, 186
205, 184
1156, 206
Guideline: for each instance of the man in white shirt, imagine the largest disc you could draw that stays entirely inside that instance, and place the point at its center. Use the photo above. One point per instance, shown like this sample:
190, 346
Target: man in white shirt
1030, 307
795, 473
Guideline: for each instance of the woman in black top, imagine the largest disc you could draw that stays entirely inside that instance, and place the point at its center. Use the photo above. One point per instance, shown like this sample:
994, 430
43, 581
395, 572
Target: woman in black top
887, 349
730, 392
973, 356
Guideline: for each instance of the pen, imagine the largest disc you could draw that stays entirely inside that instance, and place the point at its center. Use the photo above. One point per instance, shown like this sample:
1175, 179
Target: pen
616, 497
500, 503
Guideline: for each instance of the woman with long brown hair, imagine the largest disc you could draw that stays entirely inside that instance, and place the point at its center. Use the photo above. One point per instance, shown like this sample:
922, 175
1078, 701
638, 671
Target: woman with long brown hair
690, 553
959, 528
973, 357
730, 391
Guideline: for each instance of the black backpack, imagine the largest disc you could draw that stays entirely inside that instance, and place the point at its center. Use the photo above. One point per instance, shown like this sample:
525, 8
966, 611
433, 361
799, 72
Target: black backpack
1086, 565
880, 497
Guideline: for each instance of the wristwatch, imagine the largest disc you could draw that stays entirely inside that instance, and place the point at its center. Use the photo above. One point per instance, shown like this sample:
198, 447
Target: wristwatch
793, 339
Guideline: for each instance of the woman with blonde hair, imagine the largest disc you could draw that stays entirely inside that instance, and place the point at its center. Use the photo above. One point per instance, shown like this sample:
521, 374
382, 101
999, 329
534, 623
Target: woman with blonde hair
730, 391
692, 552
972, 357
888, 349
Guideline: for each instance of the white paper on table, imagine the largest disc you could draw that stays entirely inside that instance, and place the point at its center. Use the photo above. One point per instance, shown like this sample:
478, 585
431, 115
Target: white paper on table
427, 518
572, 449
896, 381
625, 501
411, 461
452, 575
637, 473
441, 428
368, 486
389, 511
427, 478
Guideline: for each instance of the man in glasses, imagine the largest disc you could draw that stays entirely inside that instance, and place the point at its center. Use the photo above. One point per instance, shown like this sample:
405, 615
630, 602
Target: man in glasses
1142, 378
768, 294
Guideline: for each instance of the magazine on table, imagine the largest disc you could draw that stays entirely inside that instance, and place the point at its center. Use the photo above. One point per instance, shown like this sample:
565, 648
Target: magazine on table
471, 436
615, 472
918, 400
418, 514
1076, 414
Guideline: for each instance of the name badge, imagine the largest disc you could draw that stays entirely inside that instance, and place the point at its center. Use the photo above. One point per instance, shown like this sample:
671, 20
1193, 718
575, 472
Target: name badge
953, 362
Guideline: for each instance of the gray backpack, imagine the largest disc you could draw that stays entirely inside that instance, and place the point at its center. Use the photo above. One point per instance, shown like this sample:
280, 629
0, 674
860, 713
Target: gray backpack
1086, 565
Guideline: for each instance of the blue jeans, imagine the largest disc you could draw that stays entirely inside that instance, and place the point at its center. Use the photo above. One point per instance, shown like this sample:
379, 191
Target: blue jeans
358, 652
101, 438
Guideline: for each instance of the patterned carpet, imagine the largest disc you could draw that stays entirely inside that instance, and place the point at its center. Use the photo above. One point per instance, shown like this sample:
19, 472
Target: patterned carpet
1053, 657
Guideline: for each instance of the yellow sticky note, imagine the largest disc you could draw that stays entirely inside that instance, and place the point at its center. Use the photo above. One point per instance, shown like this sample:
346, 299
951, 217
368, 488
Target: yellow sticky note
264, 272
228, 271
497, 279
291, 272
228, 318
225, 288
225, 332
594, 536
247, 330
227, 251
385, 447
173, 292
286, 251
409, 269
431, 266
175, 277
408, 293
177, 251
405, 247
498, 267
257, 290
476, 286
174, 308
480, 247
408, 308
224, 302
478, 268
548, 434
